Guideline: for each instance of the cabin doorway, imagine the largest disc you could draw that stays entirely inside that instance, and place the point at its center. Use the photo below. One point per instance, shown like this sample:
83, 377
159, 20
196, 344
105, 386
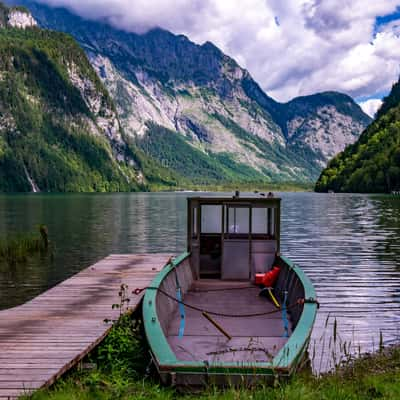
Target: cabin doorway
236, 241
224, 241
211, 241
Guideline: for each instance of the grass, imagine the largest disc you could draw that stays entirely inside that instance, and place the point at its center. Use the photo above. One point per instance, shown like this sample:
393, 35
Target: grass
18, 248
122, 372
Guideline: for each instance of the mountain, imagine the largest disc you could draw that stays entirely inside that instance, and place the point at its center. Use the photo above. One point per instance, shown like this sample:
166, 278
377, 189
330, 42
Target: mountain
372, 164
59, 130
194, 110
324, 122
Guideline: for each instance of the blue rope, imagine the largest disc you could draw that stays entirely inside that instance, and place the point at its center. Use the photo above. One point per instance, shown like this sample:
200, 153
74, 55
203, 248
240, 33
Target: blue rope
284, 316
181, 312
181, 307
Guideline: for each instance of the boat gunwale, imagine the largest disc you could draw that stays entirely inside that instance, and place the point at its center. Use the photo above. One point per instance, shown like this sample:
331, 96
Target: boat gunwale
283, 363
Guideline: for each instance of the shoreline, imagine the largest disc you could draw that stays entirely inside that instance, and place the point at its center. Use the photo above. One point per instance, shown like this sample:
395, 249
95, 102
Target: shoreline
245, 187
119, 368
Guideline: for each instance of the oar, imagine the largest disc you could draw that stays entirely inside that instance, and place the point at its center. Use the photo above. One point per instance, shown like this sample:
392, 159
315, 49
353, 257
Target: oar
219, 327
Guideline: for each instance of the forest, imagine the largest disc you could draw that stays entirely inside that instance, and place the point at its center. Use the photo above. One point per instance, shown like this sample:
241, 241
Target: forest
372, 164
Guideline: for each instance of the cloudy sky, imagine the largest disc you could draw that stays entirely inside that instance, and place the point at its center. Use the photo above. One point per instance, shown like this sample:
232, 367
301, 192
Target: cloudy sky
291, 47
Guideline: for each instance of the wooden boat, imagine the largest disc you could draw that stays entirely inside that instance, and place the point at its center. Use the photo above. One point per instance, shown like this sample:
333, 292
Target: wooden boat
203, 316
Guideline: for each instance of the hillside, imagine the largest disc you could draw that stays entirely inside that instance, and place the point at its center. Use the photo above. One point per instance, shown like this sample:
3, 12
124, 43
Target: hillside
58, 127
372, 164
165, 84
60, 132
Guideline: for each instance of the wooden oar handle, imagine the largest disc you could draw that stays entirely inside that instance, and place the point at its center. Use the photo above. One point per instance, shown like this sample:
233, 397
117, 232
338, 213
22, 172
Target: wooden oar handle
219, 327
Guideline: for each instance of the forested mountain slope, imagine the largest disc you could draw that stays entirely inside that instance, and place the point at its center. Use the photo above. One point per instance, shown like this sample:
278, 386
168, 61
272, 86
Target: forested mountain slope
372, 164
215, 122
59, 130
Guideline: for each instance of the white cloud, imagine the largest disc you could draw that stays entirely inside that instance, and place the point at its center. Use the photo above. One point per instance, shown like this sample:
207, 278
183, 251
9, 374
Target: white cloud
371, 106
317, 45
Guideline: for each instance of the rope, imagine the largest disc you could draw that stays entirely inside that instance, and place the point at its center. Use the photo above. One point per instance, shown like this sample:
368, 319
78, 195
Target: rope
284, 316
217, 314
242, 349
181, 312
181, 307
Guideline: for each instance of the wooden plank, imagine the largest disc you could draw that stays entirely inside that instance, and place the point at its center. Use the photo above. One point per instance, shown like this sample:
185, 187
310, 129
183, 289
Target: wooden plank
13, 393
43, 338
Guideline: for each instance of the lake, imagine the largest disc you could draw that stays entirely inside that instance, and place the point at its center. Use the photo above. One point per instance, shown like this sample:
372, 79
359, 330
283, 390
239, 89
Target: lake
349, 245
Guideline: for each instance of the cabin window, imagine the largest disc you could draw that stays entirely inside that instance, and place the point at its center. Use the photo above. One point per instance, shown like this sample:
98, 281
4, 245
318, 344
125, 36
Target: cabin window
271, 221
238, 220
259, 220
263, 221
211, 219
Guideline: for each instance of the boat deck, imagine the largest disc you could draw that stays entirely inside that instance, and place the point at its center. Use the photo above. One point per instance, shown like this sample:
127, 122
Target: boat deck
254, 339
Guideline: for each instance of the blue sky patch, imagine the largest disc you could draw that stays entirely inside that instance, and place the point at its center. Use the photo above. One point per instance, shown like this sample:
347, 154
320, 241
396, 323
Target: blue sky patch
378, 95
385, 19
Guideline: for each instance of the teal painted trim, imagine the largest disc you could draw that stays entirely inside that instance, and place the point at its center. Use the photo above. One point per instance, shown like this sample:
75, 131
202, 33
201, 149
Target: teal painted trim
154, 333
182, 257
297, 344
282, 364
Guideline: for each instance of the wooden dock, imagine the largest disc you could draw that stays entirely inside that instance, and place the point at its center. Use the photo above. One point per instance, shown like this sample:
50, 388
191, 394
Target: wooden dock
42, 339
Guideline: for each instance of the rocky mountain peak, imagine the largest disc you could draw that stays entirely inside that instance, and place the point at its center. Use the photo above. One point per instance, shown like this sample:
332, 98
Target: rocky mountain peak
16, 17
20, 18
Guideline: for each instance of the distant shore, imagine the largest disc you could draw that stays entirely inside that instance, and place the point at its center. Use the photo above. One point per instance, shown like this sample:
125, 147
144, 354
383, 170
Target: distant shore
261, 187
245, 187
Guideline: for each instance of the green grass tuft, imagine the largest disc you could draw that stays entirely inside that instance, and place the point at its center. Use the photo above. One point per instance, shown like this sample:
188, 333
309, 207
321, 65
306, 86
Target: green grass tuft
18, 248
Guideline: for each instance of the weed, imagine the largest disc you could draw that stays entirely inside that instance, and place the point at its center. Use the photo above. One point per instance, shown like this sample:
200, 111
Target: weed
19, 248
123, 349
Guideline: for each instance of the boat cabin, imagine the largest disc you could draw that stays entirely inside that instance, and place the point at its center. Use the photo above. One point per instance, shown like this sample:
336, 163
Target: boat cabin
233, 238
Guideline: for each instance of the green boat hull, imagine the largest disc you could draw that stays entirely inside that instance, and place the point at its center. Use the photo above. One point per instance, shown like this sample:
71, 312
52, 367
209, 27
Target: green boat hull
179, 372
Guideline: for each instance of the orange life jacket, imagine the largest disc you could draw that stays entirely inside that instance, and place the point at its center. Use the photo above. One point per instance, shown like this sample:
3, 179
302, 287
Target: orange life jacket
269, 278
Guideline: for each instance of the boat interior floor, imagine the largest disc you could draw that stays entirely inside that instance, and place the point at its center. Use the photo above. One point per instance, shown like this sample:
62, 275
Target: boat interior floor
254, 339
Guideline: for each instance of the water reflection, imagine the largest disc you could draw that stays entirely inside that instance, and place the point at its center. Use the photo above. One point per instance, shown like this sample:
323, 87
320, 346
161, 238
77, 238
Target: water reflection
84, 229
349, 245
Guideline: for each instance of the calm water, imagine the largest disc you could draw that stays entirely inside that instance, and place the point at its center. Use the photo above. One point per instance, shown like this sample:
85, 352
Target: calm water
348, 244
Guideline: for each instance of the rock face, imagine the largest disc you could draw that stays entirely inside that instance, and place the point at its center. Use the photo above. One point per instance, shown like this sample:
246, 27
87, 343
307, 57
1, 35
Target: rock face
324, 123
16, 17
21, 19
165, 80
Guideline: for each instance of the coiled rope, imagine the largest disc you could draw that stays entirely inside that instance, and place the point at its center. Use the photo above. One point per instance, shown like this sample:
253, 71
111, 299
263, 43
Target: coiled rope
218, 314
